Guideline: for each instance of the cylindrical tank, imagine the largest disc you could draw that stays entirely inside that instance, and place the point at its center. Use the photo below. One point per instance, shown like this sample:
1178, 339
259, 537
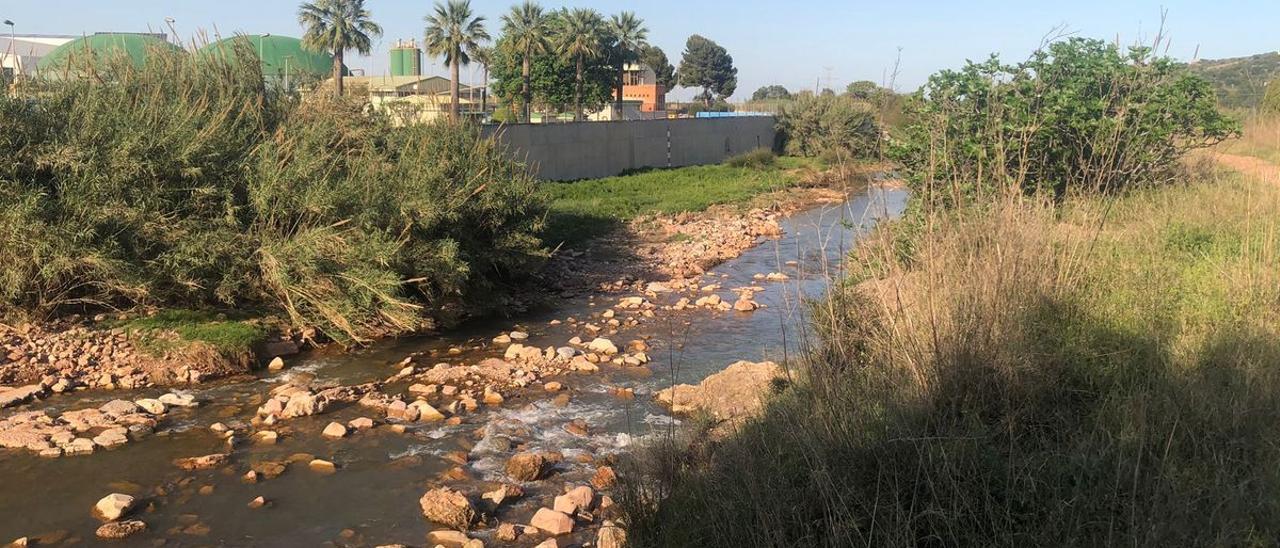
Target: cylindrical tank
397, 61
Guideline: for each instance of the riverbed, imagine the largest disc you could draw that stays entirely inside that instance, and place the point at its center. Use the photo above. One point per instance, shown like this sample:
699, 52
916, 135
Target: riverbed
372, 499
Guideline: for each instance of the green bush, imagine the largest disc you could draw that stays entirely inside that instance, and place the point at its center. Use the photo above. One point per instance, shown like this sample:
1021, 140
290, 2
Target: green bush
756, 159
1271, 100
828, 125
1079, 115
191, 183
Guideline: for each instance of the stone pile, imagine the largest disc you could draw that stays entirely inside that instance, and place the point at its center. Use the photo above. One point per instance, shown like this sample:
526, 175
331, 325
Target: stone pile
84, 431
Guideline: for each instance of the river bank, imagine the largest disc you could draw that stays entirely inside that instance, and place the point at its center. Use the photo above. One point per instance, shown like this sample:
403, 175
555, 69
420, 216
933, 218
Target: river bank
575, 411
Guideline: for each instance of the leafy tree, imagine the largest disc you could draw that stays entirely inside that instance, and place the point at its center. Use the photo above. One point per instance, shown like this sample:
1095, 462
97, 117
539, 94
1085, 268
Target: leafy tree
551, 79
580, 36
1081, 115
336, 26
709, 66
862, 89
628, 34
529, 30
454, 33
770, 92
656, 59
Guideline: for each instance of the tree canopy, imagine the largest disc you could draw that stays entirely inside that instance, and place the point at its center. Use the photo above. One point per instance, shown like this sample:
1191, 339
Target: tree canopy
770, 92
709, 66
656, 59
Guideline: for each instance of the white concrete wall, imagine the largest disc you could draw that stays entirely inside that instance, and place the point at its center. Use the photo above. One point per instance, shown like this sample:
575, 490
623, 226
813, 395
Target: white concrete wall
587, 150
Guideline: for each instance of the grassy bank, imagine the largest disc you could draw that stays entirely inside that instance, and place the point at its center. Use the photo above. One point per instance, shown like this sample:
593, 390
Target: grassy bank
1099, 373
1261, 139
581, 210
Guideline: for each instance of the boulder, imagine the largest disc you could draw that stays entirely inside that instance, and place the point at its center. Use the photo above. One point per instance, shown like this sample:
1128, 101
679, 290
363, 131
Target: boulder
552, 522
604, 478
526, 466
321, 466
117, 530
276, 364
152, 406
507, 532
362, 423
119, 408
113, 507
602, 345
335, 430
303, 405
576, 500
447, 537
202, 463
448, 507
736, 392
174, 399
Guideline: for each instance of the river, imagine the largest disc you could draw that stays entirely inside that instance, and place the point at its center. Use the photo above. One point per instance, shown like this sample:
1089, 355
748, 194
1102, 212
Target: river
373, 497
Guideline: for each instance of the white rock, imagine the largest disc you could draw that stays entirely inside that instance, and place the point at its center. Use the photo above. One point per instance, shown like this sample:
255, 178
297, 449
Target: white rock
113, 507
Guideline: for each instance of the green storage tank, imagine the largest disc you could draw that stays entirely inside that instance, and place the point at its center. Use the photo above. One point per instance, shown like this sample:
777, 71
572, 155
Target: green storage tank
406, 59
278, 54
97, 48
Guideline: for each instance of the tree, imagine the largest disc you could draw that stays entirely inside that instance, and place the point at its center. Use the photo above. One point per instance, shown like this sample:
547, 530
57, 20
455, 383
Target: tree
629, 34
528, 29
709, 66
656, 59
862, 89
770, 92
551, 79
1079, 116
336, 26
580, 35
453, 33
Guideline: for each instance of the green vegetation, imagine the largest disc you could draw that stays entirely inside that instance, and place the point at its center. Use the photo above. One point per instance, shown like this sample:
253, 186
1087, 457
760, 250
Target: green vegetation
1271, 101
1033, 375
230, 337
709, 66
454, 34
192, 184
759, 158
336, 26
1090, 366
765, 93
1239, 82
1081, 113
828, 125
583, 210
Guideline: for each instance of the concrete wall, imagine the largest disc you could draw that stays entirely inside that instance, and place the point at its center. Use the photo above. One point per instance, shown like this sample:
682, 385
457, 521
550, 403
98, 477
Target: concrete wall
584, 150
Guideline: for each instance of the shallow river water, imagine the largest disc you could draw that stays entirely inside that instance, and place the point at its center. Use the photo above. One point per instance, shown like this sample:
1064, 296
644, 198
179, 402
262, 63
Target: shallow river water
373, 497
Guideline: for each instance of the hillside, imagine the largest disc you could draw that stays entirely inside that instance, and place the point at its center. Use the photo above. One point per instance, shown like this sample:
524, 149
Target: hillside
1239, 81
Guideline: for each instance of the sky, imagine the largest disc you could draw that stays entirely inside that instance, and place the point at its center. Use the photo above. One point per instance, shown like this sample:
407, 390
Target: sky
799, 45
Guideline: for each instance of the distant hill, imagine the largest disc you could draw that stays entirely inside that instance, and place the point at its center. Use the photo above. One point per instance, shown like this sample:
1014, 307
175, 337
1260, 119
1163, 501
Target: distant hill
1240, 81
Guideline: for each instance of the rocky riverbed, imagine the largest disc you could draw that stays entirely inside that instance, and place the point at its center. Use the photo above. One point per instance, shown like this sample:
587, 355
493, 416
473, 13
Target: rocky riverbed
479, 436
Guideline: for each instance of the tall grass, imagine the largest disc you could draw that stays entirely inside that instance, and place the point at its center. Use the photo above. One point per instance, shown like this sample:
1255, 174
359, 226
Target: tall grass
1013, 367
193, 183
1098, 374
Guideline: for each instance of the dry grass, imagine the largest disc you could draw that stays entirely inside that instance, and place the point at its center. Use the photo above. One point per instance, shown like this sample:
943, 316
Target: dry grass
1098, 372
1261, 139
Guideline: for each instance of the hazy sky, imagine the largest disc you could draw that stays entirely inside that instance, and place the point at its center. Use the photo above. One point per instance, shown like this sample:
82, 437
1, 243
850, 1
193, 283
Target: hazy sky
796, 44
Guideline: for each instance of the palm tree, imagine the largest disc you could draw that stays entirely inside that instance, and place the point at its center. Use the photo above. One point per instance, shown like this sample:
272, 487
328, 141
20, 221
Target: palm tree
453, 33
484, 56
337, 26
527, 27
629, 36
578, 37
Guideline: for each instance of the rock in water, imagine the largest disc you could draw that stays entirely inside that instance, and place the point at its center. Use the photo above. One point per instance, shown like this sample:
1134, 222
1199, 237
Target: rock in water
732, 394
202, 463
120, 529
448, 507
552, 522
277, 364
113, 507
603, 346
335, 430
526, 466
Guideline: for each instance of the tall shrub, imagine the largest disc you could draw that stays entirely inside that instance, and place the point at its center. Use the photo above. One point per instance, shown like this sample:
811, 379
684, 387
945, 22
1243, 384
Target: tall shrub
827, 124
1079, 115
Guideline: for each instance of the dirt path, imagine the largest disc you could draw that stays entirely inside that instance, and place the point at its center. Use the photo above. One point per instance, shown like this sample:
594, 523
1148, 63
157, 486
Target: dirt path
1249, 165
